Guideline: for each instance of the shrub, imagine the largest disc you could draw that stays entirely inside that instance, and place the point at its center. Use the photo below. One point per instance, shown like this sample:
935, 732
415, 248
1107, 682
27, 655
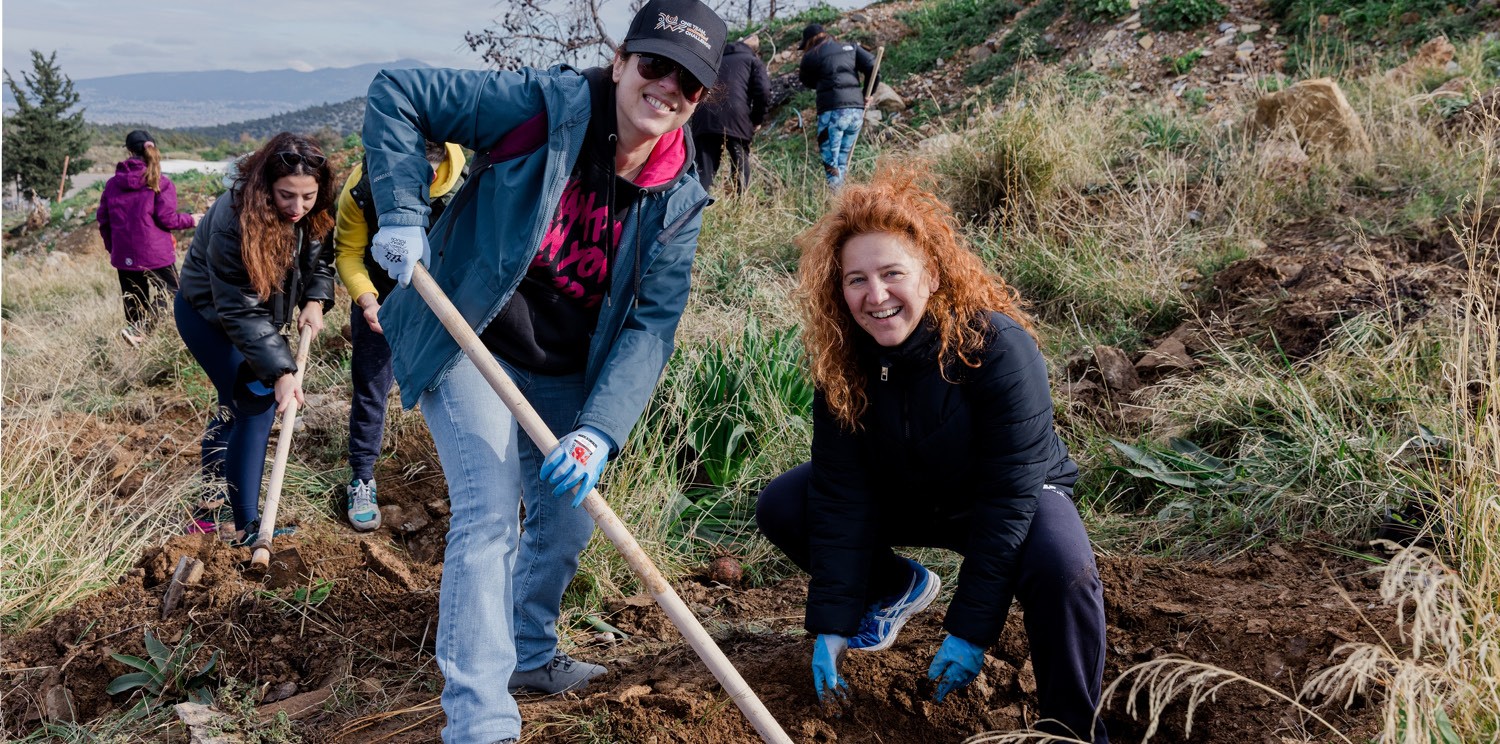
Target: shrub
941, 30
1024, 40
1183, 15
1182, 64
1101, 10
1000, 170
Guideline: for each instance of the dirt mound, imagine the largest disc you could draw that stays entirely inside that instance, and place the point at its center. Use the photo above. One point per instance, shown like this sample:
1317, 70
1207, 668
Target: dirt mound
1301, 289
1275, 616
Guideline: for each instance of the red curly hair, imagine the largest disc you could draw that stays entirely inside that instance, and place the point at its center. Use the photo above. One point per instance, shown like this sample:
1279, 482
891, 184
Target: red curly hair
897, 202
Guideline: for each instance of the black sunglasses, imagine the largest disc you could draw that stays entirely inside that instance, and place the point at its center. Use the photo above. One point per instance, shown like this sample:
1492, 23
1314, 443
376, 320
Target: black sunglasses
292, 159
652, 67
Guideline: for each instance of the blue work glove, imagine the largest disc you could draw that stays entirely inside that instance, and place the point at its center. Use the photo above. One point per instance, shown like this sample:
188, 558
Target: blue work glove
577, 461
398, 248
956, 665
828, 651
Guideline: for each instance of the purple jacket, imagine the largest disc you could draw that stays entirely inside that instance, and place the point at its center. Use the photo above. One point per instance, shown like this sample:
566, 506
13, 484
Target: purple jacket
134, 220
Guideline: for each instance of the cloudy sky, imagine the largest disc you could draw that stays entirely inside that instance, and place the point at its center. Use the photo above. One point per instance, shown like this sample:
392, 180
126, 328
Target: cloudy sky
95, 38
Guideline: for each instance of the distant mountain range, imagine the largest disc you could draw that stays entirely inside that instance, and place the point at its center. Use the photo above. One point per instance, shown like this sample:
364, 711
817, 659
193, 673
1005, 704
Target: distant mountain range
205, 99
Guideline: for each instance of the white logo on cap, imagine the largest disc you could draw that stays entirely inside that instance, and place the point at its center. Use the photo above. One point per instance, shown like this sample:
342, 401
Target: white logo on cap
688, 28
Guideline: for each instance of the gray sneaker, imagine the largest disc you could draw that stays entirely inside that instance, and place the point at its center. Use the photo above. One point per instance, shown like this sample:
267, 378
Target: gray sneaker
562, 673
364, 513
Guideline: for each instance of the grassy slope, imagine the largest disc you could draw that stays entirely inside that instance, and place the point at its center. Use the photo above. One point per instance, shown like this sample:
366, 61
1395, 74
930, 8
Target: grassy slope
1093, 197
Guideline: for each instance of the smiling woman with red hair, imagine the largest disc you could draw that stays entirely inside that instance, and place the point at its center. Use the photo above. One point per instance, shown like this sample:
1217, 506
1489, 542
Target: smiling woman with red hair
932, 427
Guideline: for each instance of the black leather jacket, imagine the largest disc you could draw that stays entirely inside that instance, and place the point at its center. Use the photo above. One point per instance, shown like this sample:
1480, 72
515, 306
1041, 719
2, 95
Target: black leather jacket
834, 68
215, 282
981, 447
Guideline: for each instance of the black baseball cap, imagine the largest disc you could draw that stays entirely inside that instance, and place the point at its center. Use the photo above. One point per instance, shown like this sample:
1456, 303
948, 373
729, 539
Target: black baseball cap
812, 30
684, 31
136, 141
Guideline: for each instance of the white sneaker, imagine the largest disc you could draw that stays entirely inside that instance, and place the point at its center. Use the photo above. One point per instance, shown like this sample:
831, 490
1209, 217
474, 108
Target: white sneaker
364, 513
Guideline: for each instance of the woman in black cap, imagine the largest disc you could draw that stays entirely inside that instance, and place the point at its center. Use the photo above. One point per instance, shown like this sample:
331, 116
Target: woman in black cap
569, 250
136, 213
833, 68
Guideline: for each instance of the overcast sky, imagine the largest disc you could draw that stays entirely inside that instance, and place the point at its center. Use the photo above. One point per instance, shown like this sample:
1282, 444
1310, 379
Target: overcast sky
95, 38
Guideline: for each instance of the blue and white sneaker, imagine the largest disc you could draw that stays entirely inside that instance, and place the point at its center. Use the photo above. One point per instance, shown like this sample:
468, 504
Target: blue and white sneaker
878, 629
363, 511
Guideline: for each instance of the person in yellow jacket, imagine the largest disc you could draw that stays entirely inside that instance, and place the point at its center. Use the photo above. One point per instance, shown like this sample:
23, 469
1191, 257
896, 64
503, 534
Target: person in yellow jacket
368, 284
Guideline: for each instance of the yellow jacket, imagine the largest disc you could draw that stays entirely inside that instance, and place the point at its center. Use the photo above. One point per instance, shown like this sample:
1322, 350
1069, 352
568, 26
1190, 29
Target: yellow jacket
351, 234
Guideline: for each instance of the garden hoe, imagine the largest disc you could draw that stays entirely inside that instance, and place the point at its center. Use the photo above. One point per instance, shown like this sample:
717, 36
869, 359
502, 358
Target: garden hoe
870, 91
288, 561
603, 515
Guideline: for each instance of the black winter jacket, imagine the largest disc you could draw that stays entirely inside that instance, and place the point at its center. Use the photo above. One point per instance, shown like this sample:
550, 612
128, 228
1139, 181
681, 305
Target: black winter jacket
834, 68
739, 100
981, 447
215, 282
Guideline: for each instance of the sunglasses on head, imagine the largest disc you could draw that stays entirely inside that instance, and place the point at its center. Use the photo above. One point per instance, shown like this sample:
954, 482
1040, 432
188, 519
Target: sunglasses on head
292, 159
652, 67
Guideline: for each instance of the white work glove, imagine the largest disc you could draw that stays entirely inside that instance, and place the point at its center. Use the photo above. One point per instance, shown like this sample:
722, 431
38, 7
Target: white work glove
398, 248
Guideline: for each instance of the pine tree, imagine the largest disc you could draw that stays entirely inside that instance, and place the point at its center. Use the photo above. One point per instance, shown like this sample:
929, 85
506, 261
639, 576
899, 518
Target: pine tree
42, 132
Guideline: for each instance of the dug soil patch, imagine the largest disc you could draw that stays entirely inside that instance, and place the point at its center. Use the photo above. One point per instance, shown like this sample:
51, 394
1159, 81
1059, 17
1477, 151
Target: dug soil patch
1275, 615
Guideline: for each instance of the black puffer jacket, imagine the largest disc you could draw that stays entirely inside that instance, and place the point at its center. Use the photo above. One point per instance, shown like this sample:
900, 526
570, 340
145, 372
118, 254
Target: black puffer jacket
738, 103
834, 69
982, 446
217, 285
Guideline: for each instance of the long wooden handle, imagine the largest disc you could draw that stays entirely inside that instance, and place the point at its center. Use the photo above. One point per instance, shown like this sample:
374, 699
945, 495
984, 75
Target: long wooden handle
603, 515
870, 91
261, 558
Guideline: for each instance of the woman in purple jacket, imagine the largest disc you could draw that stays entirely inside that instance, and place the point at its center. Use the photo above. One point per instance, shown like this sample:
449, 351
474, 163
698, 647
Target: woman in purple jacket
138, 208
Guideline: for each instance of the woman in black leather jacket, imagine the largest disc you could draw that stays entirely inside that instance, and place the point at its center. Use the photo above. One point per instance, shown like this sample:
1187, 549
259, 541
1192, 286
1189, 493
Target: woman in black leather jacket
932, 427
256, 256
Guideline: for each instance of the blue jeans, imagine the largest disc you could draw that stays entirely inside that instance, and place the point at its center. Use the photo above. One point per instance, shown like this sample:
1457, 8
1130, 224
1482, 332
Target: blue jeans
501, 590
234, 442
836, 132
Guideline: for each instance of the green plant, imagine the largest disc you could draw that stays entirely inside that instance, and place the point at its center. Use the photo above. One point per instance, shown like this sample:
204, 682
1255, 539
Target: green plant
1163, 132
1183, 63
1101, 10
1025, 40
942, 29
166, 674
237, 700
1183, 15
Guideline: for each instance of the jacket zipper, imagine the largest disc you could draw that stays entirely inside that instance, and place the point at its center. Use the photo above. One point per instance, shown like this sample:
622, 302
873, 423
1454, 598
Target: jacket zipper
885, 376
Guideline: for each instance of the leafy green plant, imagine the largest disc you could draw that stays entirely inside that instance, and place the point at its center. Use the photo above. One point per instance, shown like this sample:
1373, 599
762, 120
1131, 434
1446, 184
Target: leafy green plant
1196, 97
166, 675
1183, 63
1025, 40
1181, 465
1163, 132
1101, 10
1183, 15
942, 29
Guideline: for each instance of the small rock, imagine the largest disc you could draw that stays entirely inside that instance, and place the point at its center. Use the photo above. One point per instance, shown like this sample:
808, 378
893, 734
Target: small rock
1224, 40
1136, 85
726, 569
57, 704
1453, 68
859, 18
1195, 217
1245, 46
1111, 35
1118, 373
979, 53
1098, 59
1250, 28
279, 692
381, 561
1235, 77
1146, 42
1133, 26
1226, 28
1134, 18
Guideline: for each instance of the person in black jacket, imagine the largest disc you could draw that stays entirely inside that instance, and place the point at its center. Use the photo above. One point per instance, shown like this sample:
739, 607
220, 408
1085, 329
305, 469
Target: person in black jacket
833, 68
728, 117
256, 257
932, 427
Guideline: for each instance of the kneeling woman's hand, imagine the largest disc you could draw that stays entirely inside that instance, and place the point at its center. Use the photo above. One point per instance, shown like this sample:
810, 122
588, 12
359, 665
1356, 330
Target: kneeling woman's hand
577, 461
828, 651
956, 665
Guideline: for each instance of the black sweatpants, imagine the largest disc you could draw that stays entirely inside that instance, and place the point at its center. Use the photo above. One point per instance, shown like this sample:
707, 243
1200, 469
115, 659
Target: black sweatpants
711, 149
147, 294
1058, 586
